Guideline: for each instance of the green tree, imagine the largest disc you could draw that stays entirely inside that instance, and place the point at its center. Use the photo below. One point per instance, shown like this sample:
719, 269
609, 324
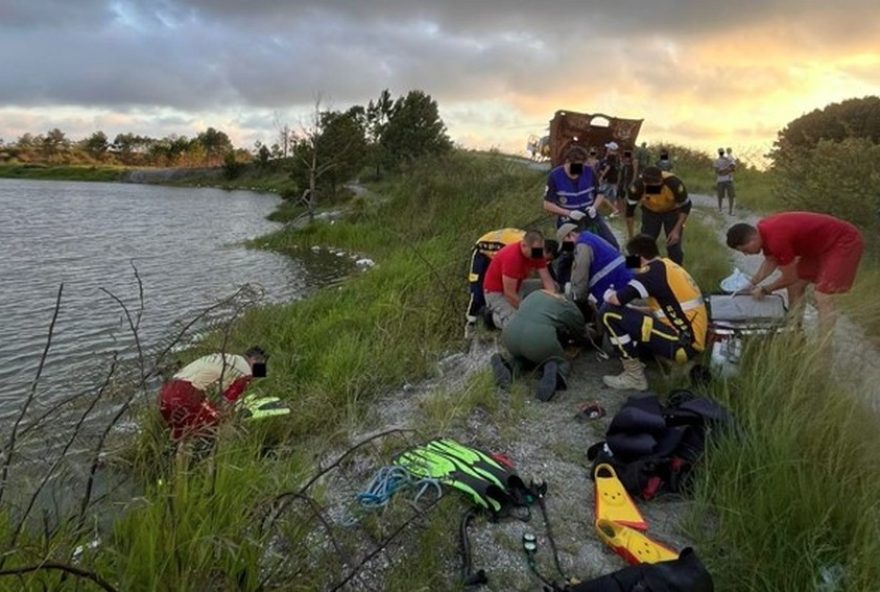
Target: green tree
215, 143
837, 178
377, 115
25, 141
124, 147
54, 143
329, 150
263, 156
414, 129
97, 145
852, 118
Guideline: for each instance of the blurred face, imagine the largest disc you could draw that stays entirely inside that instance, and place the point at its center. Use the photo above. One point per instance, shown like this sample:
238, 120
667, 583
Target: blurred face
575, 167
258, 366
533, 251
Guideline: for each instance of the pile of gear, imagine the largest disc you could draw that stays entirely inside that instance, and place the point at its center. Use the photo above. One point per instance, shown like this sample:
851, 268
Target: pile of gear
650, 449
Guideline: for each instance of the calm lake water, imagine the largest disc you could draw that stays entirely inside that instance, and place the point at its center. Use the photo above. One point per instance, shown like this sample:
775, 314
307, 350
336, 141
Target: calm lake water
187, 247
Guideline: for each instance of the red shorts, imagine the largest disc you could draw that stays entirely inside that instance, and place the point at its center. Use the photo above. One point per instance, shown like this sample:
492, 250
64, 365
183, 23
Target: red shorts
186, 409
835, 271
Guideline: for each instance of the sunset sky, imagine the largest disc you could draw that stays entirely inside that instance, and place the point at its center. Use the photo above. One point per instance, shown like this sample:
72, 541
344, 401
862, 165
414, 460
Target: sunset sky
700, 72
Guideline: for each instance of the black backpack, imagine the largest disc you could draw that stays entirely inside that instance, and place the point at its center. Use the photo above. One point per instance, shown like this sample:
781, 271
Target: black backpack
654, 447
685, 574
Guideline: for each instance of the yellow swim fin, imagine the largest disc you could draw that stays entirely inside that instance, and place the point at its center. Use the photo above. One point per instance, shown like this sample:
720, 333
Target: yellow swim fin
633, 545
613, 503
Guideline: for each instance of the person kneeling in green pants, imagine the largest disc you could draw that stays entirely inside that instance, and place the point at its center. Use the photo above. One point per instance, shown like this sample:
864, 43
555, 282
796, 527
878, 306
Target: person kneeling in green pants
532, 336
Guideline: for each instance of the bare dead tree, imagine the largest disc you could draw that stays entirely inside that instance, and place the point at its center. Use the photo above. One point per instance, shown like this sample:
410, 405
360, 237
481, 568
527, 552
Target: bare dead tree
10, 444
74, 435
317, 162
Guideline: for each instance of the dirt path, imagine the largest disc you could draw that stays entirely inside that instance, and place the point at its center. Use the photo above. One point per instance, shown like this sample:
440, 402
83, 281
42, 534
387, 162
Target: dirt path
546, 443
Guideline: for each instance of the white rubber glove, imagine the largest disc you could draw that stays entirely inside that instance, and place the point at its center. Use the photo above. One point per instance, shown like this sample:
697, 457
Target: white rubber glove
591, 212
608, 294
576, 215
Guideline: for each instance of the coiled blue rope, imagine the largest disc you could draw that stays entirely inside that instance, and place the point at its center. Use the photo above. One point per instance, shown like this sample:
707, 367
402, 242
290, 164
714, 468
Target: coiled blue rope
390, 480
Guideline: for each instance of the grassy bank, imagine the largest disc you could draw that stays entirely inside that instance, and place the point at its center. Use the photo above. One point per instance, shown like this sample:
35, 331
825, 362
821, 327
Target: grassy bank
331, 355
274, 177
62, 172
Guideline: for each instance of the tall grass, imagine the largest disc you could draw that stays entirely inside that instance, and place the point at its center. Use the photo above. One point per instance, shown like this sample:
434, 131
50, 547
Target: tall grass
795, 491
792, 492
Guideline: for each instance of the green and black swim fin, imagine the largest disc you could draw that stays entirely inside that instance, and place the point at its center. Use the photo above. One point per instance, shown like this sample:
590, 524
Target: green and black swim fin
422, 462
487, 482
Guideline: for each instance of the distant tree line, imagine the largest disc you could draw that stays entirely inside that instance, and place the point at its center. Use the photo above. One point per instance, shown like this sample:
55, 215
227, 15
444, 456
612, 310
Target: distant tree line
208, 148
319, 155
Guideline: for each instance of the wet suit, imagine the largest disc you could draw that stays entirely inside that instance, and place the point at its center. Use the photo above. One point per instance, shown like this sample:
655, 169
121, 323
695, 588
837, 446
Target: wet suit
532, 336
675, 330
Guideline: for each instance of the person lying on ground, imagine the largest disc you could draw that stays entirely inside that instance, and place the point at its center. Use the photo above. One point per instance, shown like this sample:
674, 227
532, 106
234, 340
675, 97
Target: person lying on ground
665, 205
505, 275
807, 248
186, 402
533, 338
481, 256
597, 266
572, 194
673, 326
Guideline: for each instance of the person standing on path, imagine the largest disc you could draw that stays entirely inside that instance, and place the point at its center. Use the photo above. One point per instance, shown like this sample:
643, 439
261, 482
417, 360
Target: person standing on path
807, 248
665, 205
724, 167
609, 176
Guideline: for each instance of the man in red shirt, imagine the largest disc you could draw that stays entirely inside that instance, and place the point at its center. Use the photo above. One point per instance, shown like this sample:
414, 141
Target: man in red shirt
806, 248
510, 266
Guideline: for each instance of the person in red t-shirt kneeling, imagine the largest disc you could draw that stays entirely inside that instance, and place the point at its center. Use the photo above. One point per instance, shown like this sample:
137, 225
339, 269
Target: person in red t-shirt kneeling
807, 248
510, 266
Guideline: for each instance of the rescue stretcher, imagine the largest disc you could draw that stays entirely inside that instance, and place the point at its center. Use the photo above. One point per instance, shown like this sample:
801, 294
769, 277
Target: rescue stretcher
734, 320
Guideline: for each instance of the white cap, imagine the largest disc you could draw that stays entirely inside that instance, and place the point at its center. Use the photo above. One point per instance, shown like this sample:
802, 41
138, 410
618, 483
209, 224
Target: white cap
612, 145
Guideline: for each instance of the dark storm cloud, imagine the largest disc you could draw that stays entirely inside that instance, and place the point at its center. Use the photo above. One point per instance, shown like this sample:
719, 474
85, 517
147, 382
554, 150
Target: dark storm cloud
210, 54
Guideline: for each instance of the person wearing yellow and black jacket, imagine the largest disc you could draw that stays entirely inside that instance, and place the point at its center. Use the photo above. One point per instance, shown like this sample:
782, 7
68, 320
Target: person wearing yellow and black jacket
481, 256
672, 326
665, 204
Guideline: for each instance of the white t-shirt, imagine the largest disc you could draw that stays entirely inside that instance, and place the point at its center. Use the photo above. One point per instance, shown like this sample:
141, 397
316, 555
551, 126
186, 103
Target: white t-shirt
205, 372
723, 163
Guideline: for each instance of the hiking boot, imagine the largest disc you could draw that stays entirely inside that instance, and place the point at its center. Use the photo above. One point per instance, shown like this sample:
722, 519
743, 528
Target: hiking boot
632, 377
547, 384
501, 371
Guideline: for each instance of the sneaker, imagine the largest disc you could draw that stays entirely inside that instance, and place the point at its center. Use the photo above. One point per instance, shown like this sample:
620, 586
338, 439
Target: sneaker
501, 371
